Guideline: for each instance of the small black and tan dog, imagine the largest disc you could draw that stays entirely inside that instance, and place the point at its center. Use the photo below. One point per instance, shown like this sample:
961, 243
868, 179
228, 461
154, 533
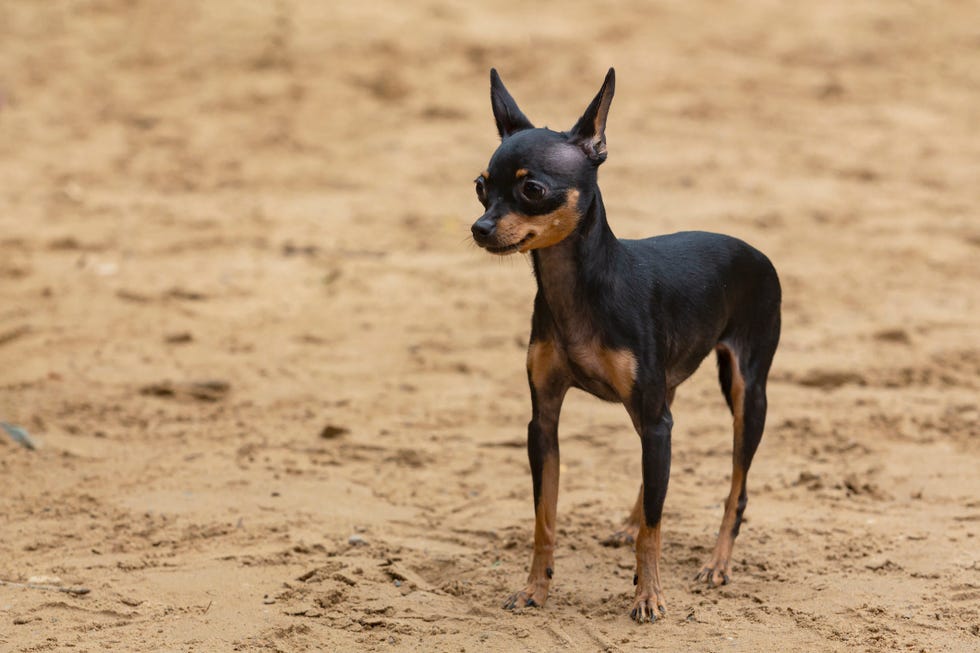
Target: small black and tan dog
626, 321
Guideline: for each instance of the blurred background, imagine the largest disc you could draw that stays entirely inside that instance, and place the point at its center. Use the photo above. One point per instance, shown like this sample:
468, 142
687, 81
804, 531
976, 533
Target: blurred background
275, 398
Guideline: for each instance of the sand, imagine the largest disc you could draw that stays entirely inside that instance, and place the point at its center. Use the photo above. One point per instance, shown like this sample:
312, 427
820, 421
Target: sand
242, 318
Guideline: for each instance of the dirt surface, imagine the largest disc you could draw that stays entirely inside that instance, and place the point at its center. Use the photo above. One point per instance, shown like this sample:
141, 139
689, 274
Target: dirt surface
242, 319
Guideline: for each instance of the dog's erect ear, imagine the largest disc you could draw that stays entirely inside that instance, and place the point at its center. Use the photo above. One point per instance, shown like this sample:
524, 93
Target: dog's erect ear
590, 131
509, 118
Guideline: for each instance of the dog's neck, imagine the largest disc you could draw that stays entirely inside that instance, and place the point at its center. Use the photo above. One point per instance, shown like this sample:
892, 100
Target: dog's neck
576, 275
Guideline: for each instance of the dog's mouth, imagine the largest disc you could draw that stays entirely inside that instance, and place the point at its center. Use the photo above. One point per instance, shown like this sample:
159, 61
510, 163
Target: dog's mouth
507, 249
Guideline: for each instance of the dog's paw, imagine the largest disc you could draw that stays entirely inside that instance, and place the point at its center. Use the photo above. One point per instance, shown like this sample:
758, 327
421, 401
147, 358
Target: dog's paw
625, 537
532, 596
713, 574
648, 608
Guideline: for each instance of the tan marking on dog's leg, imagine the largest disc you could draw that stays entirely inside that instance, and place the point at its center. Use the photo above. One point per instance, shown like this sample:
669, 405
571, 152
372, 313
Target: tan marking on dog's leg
648, 604
631, 528
535, 593
543, 361
636, 514
545, 516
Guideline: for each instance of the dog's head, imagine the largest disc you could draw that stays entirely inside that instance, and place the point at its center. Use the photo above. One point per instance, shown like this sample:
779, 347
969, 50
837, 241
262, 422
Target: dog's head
539, 182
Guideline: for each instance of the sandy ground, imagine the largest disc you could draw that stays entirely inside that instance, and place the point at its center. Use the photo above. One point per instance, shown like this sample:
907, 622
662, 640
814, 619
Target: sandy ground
241, 316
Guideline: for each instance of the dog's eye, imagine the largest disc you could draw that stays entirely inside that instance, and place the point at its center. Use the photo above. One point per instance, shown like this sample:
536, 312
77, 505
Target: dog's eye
481, 189
532, 190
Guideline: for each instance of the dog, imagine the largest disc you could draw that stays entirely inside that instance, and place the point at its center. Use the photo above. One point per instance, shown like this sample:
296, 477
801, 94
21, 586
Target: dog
626, 321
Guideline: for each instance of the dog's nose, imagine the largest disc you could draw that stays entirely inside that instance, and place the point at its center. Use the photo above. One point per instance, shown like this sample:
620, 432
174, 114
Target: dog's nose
483, 227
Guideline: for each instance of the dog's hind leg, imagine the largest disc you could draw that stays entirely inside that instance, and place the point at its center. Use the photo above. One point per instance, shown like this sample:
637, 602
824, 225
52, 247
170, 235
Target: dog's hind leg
743, 381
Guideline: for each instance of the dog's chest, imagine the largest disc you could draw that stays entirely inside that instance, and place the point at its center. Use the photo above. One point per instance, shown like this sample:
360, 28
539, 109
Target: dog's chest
607, 373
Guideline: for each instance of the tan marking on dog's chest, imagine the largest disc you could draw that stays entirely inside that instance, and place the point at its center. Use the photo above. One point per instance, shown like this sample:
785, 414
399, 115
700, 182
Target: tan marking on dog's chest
614, 367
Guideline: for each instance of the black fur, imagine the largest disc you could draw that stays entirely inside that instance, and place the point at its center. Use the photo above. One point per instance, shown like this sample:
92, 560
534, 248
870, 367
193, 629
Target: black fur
669, 300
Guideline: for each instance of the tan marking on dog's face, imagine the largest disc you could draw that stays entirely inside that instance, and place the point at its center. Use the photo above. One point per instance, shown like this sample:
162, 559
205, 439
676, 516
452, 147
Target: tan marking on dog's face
520, 173
540, 230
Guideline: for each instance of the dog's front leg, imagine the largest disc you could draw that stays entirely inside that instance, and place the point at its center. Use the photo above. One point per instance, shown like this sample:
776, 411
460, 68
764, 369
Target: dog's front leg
548, 388
655, 429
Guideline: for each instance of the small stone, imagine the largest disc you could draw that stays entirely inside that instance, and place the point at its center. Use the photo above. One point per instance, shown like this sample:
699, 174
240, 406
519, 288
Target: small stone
356, 540
331, 431
179, 338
